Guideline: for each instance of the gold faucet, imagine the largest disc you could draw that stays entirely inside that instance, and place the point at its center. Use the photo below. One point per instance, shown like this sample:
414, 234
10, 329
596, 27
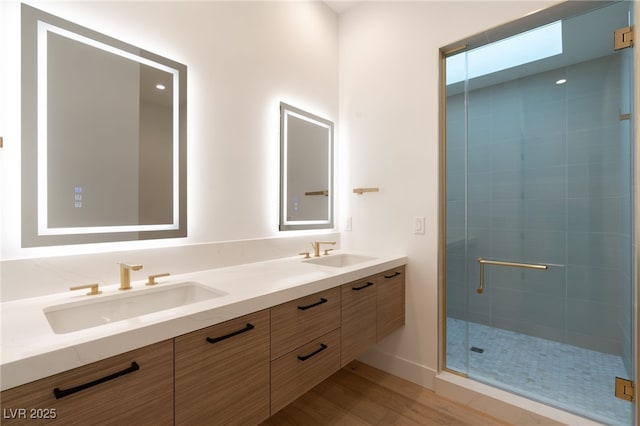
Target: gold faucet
125, 275
316, 246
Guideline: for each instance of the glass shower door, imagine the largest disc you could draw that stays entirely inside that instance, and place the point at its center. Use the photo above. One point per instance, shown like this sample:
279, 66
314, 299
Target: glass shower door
539, 214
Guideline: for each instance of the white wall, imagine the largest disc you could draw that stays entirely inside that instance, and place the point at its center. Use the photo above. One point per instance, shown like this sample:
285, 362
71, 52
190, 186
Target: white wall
389, 82
243, 58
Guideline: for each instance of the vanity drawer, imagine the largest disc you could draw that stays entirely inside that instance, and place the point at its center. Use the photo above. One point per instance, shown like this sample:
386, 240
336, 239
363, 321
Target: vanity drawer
222, 373
134, 385
300, 370
302, 320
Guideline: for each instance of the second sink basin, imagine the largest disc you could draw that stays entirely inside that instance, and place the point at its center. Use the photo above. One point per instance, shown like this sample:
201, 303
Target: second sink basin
89, 312
340, 260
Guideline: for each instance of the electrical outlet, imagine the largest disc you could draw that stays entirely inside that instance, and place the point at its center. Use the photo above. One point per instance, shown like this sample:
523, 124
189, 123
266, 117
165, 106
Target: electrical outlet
418, 225
347, 223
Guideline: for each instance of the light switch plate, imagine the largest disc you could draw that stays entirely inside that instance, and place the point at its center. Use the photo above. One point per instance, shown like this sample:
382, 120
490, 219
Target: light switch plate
418, 225
347, 223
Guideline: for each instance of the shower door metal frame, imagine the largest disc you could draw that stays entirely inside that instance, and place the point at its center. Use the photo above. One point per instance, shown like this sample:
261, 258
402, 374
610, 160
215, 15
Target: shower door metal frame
537, 19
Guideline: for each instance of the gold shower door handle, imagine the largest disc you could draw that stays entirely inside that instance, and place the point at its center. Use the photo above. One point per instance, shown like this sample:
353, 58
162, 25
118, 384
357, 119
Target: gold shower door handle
483, 262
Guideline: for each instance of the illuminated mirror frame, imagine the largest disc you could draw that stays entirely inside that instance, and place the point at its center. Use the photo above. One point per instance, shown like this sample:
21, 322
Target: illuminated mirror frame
287, 111
36, 25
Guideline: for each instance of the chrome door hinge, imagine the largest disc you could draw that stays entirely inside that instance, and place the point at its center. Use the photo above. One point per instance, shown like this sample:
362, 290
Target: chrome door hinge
623, 38
624, 389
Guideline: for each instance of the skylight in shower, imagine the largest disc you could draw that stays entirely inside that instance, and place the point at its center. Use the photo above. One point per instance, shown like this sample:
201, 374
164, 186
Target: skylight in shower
533, 45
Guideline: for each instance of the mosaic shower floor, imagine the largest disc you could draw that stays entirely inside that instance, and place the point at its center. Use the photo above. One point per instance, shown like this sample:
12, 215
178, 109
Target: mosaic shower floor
574, 379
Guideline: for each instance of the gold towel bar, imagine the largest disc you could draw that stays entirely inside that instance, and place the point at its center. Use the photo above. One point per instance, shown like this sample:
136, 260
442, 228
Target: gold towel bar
361, 191
483, 262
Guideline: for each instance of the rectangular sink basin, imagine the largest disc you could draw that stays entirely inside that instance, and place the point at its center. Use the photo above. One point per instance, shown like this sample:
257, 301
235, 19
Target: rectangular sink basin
89, 312
339, 260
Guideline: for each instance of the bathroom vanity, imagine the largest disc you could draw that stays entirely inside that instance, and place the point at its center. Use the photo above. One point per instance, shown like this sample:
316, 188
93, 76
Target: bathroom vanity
275, 331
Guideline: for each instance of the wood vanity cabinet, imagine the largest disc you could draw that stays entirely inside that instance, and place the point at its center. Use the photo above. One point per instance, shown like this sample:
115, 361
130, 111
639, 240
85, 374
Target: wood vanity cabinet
358, 318
301, 370
390, 302
135, 385
312, 337
299, 321
305, 345
222, 373
372, 308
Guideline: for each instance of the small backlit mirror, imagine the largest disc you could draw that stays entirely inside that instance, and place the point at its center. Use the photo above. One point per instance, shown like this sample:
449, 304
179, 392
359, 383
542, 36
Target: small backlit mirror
306, 170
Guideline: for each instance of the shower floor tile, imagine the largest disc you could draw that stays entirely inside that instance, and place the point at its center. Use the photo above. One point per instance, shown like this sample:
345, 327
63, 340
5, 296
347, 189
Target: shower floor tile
568, 377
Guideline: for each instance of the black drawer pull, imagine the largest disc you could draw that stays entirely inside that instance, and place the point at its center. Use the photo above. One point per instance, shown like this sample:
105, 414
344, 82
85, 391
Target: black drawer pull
226, 336
369, 284
61, 393
393, 275
306, 357
304, 308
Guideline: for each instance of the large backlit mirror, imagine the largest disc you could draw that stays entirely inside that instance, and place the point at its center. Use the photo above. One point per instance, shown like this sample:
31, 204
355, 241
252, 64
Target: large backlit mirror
306, 170
103, 137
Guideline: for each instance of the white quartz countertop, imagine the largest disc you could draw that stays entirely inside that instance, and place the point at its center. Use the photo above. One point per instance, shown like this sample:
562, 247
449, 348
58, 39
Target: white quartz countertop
30, 350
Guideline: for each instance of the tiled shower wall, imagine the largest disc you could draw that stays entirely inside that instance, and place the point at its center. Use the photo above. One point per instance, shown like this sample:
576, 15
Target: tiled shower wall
549, 173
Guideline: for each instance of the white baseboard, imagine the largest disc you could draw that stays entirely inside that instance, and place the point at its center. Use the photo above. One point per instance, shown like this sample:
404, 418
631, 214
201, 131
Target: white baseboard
403, 368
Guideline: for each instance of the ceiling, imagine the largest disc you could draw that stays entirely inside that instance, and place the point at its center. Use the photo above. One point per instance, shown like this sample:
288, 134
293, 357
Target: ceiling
585, 37
341, 6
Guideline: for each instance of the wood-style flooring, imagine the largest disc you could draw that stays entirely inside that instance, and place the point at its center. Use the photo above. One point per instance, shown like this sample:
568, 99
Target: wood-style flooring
362, 395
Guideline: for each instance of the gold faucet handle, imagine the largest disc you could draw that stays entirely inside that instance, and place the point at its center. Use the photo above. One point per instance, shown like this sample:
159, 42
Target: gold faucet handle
130, 266
152, 278
93, 287
306, 254
326, 251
